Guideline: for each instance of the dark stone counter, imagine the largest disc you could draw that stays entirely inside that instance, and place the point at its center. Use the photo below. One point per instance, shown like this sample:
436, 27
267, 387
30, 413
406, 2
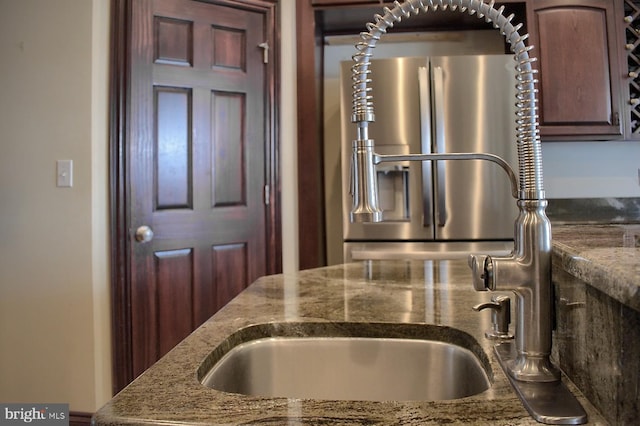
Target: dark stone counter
368, 293
605, 256
596, 274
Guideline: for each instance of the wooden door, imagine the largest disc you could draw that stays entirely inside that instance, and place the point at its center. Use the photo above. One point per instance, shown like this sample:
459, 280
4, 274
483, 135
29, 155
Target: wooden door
575, 42
197, 144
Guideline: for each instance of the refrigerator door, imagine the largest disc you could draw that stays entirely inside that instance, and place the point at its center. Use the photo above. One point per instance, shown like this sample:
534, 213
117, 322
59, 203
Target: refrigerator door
473, 111
397, 130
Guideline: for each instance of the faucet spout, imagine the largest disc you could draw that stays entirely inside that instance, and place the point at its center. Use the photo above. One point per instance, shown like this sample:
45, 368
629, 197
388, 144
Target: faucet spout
364, 184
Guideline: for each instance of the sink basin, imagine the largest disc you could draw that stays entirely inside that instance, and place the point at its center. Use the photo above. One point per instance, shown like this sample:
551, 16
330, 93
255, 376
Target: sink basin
369, 368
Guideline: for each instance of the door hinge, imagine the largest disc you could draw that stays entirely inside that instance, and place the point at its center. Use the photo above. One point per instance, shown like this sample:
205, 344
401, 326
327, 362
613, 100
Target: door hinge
265, 52
616, 119
267, 194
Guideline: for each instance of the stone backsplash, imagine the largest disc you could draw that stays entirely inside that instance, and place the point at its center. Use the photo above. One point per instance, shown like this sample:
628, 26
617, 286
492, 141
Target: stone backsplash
594, 210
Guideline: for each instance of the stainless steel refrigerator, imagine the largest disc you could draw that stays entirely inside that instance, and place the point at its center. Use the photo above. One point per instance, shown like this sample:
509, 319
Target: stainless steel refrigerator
460, 103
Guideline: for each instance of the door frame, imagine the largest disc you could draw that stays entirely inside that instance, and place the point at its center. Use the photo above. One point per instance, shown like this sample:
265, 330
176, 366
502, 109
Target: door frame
119, 180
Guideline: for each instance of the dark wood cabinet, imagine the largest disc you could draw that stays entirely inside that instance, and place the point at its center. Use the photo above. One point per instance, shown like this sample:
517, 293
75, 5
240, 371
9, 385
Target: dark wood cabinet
580, 79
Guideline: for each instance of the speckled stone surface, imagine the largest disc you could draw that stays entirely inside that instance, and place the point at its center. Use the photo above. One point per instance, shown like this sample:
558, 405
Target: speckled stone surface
596, 274
594, 210
359, 298
605, 256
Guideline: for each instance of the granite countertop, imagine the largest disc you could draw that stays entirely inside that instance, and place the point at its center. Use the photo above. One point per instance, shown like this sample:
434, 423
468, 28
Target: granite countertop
368, 294
606, 257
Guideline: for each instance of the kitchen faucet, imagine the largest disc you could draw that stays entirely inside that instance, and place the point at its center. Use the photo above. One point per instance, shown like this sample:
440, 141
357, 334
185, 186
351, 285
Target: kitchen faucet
527, 270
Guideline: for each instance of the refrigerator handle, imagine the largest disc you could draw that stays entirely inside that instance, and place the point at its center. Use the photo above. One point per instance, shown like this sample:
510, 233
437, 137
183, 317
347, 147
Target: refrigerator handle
440, 145
425, 139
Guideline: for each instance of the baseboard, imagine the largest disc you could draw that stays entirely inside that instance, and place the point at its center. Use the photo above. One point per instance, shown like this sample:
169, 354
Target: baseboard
78, 418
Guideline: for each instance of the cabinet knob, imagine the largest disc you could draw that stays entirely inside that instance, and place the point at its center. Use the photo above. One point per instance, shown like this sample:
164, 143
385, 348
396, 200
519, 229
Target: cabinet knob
633, 74
634, 101
629, 46
628, 19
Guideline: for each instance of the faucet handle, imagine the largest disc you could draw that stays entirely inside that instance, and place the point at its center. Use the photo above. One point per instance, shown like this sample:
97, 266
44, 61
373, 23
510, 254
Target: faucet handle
476, 263
500, 317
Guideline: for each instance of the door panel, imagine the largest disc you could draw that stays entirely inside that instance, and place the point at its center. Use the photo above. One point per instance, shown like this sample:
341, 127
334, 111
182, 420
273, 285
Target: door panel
575, 42
227, 157
173, 43
229, 266
198, 144
174, 290
172, 148
589, 86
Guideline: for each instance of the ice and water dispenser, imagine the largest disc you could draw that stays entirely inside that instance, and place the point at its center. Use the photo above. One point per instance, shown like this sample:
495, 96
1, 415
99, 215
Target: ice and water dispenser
393, 184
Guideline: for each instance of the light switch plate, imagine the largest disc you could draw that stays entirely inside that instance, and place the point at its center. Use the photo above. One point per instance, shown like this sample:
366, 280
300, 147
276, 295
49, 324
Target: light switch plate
64, 173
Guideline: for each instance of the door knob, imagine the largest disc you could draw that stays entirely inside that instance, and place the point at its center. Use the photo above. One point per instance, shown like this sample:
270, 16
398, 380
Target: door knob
144, 234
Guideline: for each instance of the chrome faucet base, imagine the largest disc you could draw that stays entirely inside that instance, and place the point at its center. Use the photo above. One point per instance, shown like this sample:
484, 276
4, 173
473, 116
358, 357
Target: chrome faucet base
529, 368
548, 402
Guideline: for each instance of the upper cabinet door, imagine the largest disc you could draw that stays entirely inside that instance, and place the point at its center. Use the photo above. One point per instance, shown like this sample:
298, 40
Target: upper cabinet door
575, 42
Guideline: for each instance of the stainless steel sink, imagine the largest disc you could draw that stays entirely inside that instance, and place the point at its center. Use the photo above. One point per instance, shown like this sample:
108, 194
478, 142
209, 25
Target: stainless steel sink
349, 368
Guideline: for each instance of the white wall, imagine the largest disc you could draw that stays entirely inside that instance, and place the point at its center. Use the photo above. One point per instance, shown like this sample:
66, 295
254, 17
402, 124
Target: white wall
289, 137
591, 169
54, 284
